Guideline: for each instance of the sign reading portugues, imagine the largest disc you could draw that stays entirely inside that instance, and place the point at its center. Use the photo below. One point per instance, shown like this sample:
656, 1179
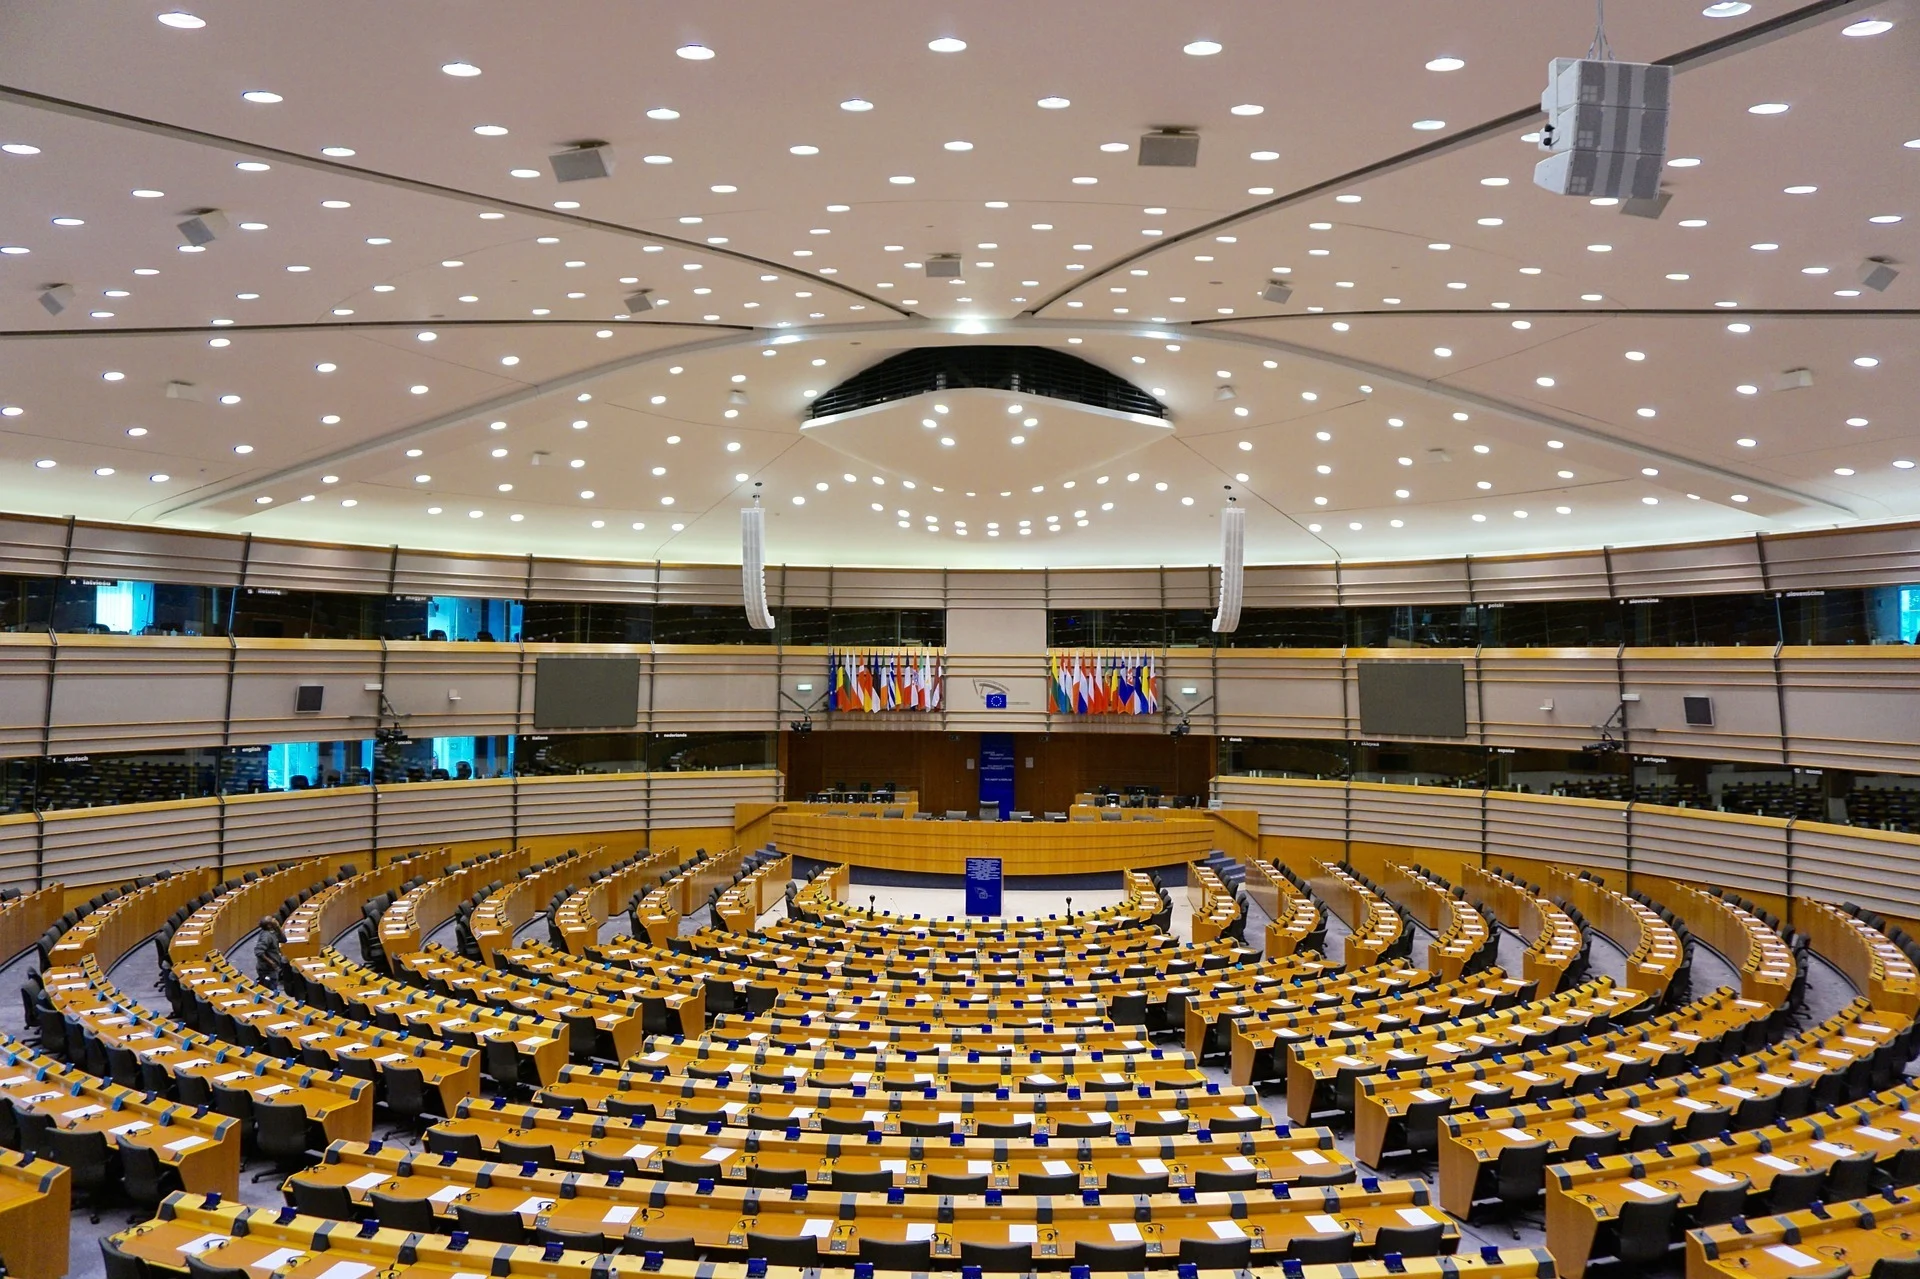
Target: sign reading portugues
886, 679
1102, 682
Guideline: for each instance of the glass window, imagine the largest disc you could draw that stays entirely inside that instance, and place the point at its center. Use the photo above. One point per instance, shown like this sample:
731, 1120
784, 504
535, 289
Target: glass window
1289, 628
1689, 620
26, 603
707, 752
704, 624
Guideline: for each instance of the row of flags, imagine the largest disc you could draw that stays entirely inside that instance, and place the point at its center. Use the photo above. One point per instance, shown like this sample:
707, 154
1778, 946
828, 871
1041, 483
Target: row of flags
886, 679
1106, 682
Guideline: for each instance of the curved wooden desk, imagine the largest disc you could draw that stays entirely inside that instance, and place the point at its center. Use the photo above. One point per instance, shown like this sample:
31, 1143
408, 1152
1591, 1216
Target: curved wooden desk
1025, 848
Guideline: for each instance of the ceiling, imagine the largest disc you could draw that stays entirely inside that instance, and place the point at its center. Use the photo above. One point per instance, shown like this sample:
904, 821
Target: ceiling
428, 350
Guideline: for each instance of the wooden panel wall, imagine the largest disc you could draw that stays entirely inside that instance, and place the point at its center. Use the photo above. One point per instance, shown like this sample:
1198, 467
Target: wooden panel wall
935, 764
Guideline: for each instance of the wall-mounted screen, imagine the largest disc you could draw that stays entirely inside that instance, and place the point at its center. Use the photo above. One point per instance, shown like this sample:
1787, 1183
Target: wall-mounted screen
1413, 699
586, 692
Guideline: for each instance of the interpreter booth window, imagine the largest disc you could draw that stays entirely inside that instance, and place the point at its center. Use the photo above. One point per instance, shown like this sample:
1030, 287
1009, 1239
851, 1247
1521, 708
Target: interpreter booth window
319, 765
709, 752
1418, 764
1285, 757
575, 622
556, 754
1700, 620
1289, 628
1551, 624
267, 613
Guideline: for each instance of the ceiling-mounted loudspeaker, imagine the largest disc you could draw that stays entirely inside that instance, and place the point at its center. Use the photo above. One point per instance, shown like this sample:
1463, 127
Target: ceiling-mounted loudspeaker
753, 566
641, 301
1699, 711
945, 266
1233, 568
204, 227
1225, 392
1878, 273
56, 298
307, 698
583, 163
1170, 149
1277, 292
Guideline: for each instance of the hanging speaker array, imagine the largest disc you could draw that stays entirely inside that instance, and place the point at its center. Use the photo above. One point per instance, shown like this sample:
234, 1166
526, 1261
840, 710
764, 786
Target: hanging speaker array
753, 566
1233, 566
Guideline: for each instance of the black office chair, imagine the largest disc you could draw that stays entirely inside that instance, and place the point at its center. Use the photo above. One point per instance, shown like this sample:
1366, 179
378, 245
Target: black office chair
90, 1161
1333, 1247
408, 1102
784, 1250
461, 1145
1850, 1177
1410, 1241
1884, 1268
1136, 1183
595, 1162
1647, 1136
622, 1108
119, 1263
520, 1152
1013, 1131
997, 1258
1702, 1124
199, 1269
686, 1170
1236, 1123
315, 1199
1646, 1231
1718, 1205
777, 1178
576, 1240
1068, 1130
696, 1115
832, 1123
1036, 1183
147, 1178
1216, 1254
1792, 1191
954, 1183
926, 1128
1159, 1127
1591, 1143
850, 1180
1119, 1258
1225, 1179
280, 1132
485, 1223
416, 1216
1519, 1175
912, 1255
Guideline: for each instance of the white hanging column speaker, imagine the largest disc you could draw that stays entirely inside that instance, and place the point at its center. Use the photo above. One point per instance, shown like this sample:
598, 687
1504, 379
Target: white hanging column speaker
1233, 567
753, 565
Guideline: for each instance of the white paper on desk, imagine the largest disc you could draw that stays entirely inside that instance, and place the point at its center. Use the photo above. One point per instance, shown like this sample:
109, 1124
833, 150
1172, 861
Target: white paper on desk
816, 1228
1481, 1085
1766, 1078
1022, 1232
275, 1259
1417, 1217
194, 1247
1640, 1116
1321, 1224
367, 1181
533, 1204
1124, 1231
639, 1150
186, 1143
717, 1154
1173, 1114
1516, 1134
919, 1230
734, 1107
1878, 1134
893, 1165
85, 1112
346, 1270
1154, 1166
977, 1166
794, 1072
1229, 1230
1109, 1077
232, 1075
1244, 1112
1238, 1163
1776, 1163
1645, 1191
140, 1125
1793, 1256
1056, 1167
1715, 1176
274, 1090
1729, 1091
1833, 1148
1582, 1126
1691, 1104
874, 1116
1531, 1076
1309, 1156
1426, 1094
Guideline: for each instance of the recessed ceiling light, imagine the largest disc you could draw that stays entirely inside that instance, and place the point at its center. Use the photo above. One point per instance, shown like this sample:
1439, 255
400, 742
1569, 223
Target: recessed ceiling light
1726, 9
69, 222
182, 21
1856, 421
1202, 48
1429, 126
1802, 189
856, 104
263, 96
1767, 108
495, 130
1599, 248
336, 204
1683, 162
1903, 464
1446, 64
1264, 155
804, 149
1116, 146
1491, 221
147, 193
1247, 108
1443, 351
656, 159
252, 166
1884, 219
694, 52
1867, 27
1866, 361
341, 153
1055, 104
947, 44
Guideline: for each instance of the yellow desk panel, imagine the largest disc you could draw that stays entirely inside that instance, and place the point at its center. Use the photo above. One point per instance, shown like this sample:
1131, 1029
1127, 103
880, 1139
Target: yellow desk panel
1026, 848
